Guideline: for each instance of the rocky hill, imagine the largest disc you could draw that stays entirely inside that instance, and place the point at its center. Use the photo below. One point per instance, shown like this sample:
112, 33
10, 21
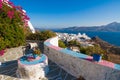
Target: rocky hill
107, 46
112, 27
112, 52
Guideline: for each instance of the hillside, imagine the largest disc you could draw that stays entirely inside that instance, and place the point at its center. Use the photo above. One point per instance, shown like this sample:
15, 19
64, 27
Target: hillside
112, 27
112, 52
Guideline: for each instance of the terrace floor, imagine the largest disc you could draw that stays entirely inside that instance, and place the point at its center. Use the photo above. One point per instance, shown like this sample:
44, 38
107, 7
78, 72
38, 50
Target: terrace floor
8, 72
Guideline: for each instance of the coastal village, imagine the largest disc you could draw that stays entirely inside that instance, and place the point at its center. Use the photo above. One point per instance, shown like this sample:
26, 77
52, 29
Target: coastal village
83, 39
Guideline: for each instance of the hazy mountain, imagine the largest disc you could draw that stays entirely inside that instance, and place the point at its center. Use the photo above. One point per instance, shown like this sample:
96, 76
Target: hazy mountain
112, 27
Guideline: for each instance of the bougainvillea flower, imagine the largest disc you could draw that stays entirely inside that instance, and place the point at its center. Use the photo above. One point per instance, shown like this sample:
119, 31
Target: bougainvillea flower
2, 52
6, 1
10, 14
0, 4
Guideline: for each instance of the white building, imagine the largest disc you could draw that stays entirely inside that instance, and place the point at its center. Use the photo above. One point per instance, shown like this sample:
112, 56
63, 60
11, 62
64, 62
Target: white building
82, 38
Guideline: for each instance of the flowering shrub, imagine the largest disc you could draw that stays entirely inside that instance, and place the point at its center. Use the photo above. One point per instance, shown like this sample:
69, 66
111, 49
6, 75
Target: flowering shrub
0, 4
10, 13
13, 22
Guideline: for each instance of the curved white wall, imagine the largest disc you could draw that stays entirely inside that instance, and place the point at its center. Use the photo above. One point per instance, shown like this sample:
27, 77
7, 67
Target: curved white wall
54, 41
31, 27
79, 64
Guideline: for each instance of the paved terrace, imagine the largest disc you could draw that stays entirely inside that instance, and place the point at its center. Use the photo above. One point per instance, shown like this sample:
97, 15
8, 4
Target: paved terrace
8, 72
9, 67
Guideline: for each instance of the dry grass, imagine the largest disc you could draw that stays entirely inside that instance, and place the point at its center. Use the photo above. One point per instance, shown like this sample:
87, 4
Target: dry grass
114, 58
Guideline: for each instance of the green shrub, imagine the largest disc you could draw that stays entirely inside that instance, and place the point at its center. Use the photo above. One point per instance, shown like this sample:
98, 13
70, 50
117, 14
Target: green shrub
92, 49
73, 43
61, 44
44, 35
11, 29
33, 36
83, 50
12, 35
2, 43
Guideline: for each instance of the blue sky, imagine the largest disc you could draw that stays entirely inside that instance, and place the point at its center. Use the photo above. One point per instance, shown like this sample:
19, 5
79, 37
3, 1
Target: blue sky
67, 13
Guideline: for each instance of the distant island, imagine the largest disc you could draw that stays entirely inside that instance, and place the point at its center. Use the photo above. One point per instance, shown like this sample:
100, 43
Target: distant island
112, 27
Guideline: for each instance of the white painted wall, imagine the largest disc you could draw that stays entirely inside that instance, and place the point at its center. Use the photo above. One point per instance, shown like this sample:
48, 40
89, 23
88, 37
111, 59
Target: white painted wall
54, 41
31, 27
32, 72
80, 67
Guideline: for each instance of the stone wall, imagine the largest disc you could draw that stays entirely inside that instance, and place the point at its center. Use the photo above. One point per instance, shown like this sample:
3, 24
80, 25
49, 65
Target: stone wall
79, 64
12, 54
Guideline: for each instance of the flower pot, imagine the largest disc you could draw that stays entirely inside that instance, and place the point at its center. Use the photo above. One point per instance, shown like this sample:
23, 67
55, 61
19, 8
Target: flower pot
97, 57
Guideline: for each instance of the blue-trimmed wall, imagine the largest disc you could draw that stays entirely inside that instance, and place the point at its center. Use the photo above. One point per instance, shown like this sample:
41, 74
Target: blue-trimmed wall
79, 64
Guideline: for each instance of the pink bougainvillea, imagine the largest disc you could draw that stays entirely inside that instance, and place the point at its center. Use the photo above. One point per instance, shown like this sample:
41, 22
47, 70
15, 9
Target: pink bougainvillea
11, 4
2, 52
10, 13
6, 1
0, 4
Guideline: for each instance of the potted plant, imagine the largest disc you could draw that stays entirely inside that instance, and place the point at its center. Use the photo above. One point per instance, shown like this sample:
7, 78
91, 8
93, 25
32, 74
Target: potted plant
36, 52
33, 54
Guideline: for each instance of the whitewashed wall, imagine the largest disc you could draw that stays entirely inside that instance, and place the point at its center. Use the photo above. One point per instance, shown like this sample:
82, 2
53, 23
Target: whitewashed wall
54, 41
79, 67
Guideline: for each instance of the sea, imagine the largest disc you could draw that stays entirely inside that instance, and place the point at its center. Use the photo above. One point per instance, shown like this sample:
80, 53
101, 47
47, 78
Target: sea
110, 37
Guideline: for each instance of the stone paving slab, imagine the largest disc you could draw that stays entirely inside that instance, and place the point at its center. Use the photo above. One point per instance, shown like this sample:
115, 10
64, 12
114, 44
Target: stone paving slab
12, 54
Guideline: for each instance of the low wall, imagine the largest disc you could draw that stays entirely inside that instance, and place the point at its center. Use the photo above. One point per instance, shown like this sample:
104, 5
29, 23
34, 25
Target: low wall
17, 52
78, 64
33, 70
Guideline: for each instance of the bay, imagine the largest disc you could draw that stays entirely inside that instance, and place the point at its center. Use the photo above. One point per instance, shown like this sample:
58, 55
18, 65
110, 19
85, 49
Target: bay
110, 37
